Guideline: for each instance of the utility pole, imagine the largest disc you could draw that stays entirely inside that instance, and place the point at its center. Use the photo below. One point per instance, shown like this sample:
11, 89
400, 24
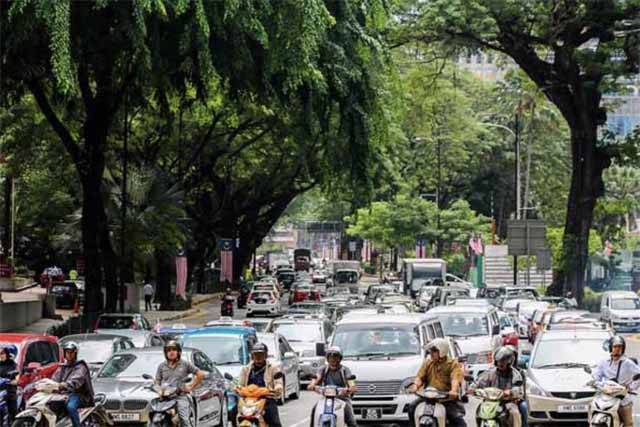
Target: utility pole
13, 224
438, 186
517, 183
123, 207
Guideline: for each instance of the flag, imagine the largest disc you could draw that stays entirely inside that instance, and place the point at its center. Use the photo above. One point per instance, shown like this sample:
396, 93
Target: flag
226, 260
421, 248
181, 276
476, 245
365, 250
336, 250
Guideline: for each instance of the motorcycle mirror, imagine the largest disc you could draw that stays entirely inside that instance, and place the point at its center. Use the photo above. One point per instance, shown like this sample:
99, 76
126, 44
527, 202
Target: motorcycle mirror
228, 376
587, 369
147, 377
278, 375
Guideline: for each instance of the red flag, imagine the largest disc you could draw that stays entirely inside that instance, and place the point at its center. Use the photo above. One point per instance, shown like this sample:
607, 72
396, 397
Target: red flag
421, 248
181, 276
226, 260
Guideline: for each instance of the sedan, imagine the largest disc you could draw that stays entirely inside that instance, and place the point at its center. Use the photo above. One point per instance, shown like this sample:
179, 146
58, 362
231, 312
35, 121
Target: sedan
95, 349
263, 302
125, 377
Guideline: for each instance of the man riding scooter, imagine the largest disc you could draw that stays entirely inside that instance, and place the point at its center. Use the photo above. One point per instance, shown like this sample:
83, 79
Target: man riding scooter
74, 379
336, 374
505, 377
261, 373
226, 309
443, 373
620, 369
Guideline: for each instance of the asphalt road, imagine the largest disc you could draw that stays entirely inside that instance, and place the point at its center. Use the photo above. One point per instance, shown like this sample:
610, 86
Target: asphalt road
296, 413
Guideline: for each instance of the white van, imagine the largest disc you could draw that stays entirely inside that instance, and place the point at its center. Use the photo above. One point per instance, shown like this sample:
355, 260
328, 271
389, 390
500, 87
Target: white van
384, 352
621, 310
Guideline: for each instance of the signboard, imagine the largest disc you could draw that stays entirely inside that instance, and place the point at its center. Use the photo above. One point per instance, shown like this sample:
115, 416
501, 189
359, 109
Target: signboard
526, 237
543, 260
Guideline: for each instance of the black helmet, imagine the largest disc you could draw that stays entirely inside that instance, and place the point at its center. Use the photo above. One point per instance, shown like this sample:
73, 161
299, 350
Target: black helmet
70, 346
616, 340
172, 344
260, 348
504, 353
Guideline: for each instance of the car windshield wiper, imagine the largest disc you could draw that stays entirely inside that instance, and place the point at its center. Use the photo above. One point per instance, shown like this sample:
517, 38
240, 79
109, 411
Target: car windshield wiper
562, 365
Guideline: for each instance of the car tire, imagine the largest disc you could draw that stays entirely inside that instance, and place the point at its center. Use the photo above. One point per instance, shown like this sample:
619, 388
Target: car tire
296, 394
192, 416
283, 398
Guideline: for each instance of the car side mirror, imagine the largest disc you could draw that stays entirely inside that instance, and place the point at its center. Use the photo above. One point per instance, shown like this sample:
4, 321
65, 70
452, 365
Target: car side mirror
228, 376
496, 330
278, 376
320, 349
32, 367
289, 355
147, 377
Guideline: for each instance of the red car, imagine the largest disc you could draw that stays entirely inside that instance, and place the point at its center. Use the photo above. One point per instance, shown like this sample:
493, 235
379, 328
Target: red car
38, 357
304, 293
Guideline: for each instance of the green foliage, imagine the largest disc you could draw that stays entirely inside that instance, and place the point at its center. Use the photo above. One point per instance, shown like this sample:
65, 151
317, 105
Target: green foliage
591, 300
555, 244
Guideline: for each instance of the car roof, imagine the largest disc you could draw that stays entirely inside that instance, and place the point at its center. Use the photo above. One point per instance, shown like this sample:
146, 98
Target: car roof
94, 337
567, 334
18, 338
309, 319
222, 330
483, 309
409, 318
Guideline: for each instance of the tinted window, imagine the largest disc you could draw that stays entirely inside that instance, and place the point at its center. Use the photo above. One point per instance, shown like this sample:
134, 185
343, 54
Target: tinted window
115, 322
40, 352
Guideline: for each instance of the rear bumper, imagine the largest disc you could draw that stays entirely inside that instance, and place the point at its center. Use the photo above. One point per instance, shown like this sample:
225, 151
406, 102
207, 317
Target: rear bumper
264, 309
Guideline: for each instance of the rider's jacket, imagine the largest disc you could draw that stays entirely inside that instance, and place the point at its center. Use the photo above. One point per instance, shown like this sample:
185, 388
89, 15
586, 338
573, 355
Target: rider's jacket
620, 371
261, 376
75, 379
440, 374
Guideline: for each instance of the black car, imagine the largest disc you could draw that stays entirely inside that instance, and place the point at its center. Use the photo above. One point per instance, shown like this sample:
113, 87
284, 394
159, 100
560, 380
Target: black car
66, 294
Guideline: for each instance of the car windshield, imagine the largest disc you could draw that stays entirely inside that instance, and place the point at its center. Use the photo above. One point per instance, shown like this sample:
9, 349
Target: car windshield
260, 326
115, 322
464, 324
221, 349
625, 304
260, 295
562, 353
300, 332
372, 340
347, 277
130, 365
95, 351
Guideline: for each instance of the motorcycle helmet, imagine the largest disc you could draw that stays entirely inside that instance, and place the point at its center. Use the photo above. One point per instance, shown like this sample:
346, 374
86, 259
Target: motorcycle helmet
334, 351
504, 353
260, 348
172, 344
70, 346
616, 340
440, 344
10, 350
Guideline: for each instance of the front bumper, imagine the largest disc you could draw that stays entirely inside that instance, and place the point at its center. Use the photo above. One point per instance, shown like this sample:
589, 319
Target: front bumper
624, 325
309, 367
121, 414
546, 409
389, 408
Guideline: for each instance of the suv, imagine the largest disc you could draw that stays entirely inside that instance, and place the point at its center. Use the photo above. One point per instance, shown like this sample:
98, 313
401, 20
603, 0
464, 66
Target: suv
556, 379
621, 309
228, 347
384, 352
476, 329
308, 338
38, 357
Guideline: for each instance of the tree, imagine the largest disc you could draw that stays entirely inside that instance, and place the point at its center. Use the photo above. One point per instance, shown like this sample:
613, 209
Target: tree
573, 51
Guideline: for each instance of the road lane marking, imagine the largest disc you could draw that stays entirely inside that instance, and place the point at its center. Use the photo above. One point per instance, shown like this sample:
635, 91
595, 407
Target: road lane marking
305, 421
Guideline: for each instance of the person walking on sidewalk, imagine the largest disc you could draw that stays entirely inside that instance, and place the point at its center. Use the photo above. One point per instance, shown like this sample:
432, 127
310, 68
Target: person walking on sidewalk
148, 296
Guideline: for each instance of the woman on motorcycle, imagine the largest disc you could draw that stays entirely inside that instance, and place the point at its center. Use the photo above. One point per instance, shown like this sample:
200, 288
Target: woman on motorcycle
8, 370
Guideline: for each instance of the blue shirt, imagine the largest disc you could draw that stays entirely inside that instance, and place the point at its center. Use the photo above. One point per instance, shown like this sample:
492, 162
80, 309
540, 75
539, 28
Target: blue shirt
608, 370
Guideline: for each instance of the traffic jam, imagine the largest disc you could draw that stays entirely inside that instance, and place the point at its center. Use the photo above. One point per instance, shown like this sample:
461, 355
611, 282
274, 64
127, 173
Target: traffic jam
318, 343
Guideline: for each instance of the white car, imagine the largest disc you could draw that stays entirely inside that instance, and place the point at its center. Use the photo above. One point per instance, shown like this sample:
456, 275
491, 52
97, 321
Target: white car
263, 302
556, 379
285, 358
621, 309
525, 314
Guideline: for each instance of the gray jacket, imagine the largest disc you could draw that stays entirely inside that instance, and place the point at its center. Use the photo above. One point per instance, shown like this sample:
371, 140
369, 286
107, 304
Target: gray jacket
75, 379
493, 378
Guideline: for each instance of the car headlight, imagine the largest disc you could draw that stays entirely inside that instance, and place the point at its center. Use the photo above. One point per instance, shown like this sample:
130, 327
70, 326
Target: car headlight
534, 389
405, 384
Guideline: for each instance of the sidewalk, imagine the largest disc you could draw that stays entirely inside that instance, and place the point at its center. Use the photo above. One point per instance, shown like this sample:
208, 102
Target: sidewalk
41, 326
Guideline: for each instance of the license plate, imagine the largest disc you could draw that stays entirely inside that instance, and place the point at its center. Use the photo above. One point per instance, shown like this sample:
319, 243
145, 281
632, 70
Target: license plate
372, 413
125, 417
573, 408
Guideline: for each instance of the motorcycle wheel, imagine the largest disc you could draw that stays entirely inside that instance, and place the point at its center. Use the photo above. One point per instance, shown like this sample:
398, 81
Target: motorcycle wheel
26, 422
93, 421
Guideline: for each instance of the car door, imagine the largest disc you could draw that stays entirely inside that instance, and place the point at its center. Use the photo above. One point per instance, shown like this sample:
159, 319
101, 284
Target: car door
286, 365
207, 404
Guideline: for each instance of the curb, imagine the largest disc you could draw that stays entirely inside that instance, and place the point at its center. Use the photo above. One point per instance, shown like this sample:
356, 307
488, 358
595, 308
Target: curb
181, 315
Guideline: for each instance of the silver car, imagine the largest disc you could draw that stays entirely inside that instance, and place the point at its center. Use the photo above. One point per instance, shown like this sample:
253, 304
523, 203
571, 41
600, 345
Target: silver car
127, 398
95, 349
285, 358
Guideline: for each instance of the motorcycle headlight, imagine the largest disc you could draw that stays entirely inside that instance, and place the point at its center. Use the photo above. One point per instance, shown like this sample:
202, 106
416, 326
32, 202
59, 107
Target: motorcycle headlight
534, 389
405, 384
248, 411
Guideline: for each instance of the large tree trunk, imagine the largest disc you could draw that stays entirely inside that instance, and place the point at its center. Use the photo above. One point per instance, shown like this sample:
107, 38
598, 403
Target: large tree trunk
110, 272
163, 280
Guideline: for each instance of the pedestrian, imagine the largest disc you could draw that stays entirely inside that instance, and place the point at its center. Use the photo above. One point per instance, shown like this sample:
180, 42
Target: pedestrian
148, 296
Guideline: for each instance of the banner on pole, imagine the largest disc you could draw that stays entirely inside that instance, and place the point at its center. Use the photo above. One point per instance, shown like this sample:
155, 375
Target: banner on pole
226, 259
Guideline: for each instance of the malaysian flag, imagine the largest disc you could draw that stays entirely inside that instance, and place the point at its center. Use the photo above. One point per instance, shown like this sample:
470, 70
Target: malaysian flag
475, 243
366, 251
336, 250
181, 275
226, 260
421, 248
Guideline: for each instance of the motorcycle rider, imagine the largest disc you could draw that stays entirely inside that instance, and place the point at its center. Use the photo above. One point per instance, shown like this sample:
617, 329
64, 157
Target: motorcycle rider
8, 370
443, 373
261, 372
227, 298
74, 379
620, 369
173, 371
336, 374
504, 376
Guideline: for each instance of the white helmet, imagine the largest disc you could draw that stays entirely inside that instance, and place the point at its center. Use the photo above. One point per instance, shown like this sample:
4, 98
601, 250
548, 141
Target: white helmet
440, 344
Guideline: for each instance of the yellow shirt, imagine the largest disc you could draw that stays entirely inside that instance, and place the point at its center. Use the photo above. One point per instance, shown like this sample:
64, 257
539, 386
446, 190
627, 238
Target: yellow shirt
440, 374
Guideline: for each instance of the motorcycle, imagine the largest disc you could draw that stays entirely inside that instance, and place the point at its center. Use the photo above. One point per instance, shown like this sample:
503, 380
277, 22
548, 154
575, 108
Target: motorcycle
603, 410
47, 408
163, 410
431, 411
4, 410
329, 411
492, 411
226, 309
232, 399
252, 403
